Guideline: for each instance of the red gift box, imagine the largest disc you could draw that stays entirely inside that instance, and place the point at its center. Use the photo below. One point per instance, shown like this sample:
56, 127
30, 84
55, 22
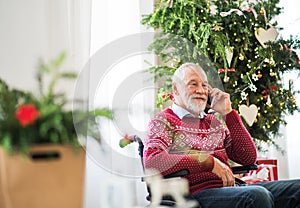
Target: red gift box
270, 165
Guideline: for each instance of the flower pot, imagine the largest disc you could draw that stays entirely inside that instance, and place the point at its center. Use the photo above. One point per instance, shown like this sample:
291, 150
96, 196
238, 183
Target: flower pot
52, 176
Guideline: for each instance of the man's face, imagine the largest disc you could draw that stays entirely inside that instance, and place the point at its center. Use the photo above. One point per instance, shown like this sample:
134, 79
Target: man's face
194, 91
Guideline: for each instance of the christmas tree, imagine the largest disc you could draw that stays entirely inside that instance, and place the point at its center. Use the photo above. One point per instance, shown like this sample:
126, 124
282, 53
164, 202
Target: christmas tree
241, 39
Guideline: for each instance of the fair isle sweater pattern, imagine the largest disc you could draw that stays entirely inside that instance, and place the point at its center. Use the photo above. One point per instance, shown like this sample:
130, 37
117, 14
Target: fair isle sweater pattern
192, 134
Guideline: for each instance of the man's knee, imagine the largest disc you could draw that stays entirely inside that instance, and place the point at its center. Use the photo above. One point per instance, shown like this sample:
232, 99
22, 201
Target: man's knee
259, 197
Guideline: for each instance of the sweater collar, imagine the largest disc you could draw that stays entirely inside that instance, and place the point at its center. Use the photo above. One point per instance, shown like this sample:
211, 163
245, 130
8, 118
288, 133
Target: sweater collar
181, 112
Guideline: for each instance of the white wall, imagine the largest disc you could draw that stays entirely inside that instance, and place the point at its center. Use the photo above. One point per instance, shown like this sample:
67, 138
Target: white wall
36, 30
23, 40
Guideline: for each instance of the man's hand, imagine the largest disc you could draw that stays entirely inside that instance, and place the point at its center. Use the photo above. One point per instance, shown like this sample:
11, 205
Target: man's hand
224, 172
220, 101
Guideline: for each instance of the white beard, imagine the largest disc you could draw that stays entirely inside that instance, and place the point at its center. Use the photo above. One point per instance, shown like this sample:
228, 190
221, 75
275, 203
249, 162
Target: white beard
194, 107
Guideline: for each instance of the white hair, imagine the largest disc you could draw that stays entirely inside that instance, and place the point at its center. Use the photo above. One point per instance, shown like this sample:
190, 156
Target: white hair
179, 74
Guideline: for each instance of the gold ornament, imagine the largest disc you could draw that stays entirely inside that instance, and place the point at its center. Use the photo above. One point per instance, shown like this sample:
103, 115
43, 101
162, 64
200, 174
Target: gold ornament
280, 47
293, 99
217, 28
226, 79
272, 62
241, 57
272, 73
262, 12
259, 75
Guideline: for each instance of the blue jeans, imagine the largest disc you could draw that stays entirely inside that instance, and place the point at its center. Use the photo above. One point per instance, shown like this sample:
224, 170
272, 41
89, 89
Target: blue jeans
279, 194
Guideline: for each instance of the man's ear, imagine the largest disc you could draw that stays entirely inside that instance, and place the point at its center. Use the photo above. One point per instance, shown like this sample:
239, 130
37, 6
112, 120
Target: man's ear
174, 88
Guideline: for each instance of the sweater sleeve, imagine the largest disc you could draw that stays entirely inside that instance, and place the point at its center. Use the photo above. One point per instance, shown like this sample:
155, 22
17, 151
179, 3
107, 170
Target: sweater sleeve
156, 154
238, 143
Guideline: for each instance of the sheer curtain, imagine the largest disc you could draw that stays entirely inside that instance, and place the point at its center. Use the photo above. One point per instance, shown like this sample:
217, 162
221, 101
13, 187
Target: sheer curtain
290, 20
117, 80
289, 141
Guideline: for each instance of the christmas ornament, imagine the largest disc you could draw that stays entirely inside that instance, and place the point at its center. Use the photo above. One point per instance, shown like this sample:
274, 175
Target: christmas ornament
252, 87
244, 95
269, 102
259, 75
226, 70
171, 4
255, 77
241, 57
266, 96
262, 12
217, 28
226, 79
270, 61
213, 9
229, 54
246, 7
264, 36
237, 11
249, 113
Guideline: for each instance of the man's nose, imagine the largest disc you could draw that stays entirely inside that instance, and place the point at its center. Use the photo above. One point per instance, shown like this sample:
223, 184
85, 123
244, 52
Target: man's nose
201, 90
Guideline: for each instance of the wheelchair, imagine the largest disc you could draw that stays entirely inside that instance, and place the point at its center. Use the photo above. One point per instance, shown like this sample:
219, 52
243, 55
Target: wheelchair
168, 201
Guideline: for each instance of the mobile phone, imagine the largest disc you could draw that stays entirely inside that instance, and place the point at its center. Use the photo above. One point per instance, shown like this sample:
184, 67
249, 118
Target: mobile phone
209, 99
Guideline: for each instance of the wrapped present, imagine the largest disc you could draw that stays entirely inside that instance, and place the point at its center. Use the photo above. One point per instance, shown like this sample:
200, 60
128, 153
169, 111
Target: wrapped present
271, 165
257, 176
267, 171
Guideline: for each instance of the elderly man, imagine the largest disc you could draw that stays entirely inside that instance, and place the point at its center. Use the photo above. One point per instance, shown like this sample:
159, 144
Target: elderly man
185, 137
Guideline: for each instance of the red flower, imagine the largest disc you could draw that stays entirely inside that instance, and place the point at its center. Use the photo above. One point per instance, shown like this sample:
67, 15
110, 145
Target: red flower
125, 141
27, 114
170, 95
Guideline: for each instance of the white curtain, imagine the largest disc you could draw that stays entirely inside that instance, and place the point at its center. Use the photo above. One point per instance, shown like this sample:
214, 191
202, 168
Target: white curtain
116, 72
289, 141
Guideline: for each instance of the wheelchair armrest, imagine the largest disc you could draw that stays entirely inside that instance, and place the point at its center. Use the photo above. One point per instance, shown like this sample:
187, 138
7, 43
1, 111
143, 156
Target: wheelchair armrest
243, 169
180, 173
235, 170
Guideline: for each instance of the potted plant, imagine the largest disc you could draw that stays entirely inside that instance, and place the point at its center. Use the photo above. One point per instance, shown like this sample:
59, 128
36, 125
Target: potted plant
42, 162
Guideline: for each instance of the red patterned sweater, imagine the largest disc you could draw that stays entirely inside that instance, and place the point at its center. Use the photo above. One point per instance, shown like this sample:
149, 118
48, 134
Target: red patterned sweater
169, 139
